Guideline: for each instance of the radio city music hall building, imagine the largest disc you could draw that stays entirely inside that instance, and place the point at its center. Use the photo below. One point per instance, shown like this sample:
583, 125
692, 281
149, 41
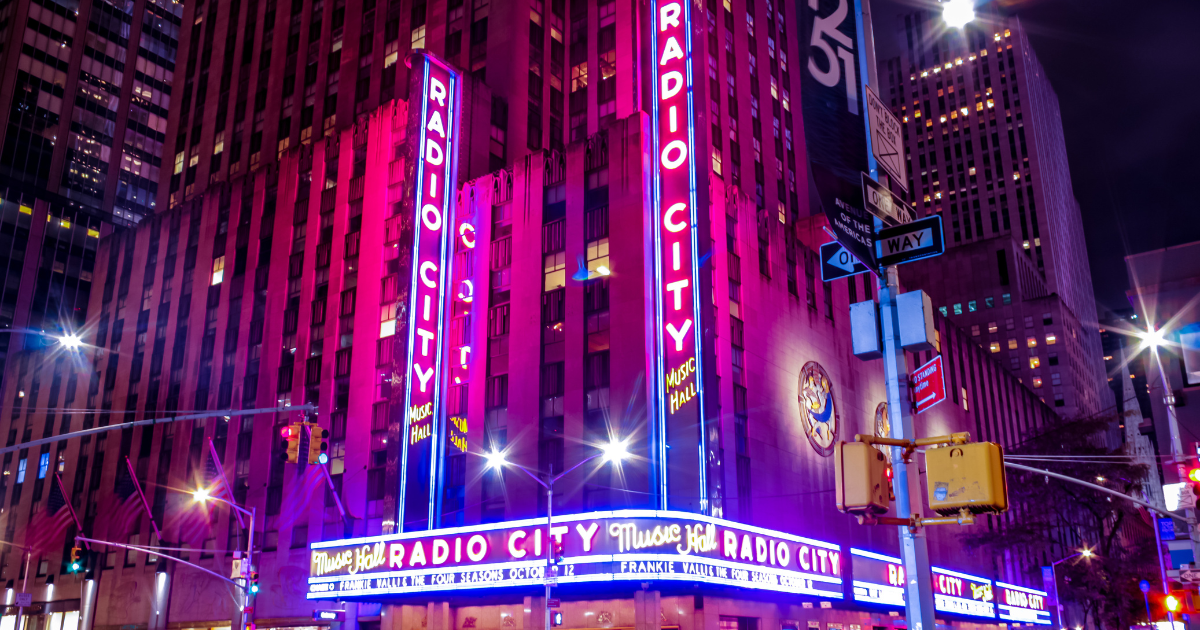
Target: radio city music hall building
432, 310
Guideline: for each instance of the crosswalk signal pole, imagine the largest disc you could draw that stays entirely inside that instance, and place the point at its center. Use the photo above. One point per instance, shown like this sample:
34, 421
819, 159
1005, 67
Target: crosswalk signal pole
914, 548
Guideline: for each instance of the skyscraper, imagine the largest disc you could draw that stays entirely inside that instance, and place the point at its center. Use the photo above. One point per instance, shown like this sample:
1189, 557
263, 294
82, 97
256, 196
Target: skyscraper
985, 149
84, 93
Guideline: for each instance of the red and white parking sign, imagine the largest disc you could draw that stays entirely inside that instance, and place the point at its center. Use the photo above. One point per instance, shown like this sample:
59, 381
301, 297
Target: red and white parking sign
928, 385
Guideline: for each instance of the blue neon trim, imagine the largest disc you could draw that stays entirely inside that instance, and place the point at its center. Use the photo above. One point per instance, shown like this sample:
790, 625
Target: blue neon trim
412, 315
446, 261
659, 389
703, 446
964, 576
1024, 589
874, 556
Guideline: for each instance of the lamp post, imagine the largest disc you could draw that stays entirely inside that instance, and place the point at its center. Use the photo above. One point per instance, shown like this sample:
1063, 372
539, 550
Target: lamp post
203, 494
611, 452
1086, 553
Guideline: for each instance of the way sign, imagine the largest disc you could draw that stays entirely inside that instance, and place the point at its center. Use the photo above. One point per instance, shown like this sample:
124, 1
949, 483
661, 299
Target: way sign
838, 262
553, 603
1190, 575
882, 203
887, 140
909, 242
24, 600
928, 385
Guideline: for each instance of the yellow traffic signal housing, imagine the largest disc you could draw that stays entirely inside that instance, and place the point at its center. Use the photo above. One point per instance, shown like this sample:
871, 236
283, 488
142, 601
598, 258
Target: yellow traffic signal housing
969, 476
861, 479
317, 444
291, 444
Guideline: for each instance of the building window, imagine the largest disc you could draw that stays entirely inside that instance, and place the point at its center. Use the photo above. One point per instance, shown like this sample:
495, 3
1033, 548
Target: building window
1031, 342
1012, 344
1051, 339
1037, 382
989, 302
1047, 319
972, 306
21, 470
958, 309
1006, 298
943, 311
964, 399
43, 465
218, 270
975, 330
994, 347
555, 271
992, 327
1034, 363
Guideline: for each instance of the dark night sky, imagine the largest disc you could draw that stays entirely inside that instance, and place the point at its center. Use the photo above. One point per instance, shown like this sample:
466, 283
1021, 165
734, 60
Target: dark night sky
1127, 76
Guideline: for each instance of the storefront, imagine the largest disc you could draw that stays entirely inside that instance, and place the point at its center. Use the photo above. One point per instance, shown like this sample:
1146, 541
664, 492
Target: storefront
614, 570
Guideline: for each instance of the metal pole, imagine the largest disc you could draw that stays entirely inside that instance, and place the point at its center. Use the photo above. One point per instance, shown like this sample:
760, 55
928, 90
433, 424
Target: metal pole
87, 605
24, 589
250, 597
1149, 619
1058, 607
914, 548
549, 545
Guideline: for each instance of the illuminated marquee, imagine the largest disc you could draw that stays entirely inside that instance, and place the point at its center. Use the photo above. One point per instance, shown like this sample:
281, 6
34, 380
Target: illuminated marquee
433, 124
879, 579
1021, 604
678, 364
876, 578
962, 594
628, 545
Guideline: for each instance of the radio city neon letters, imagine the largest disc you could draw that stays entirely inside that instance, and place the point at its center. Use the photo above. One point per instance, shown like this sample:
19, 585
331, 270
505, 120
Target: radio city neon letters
433, 116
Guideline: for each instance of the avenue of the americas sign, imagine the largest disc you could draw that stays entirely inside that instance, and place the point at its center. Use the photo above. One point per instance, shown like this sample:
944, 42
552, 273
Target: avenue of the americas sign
634, 545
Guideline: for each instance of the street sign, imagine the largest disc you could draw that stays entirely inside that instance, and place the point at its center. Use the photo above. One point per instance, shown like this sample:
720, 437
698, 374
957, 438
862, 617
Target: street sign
553, 603
887, 140
838, 262
1187, 497
909, 242
237, 568
1190, 575
882, 203
329, 615
1166, 528
24, 600
928, 385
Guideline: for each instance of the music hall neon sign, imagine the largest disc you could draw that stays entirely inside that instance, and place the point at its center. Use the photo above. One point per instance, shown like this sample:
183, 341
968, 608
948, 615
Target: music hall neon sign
433, 119
679, 387
626, 545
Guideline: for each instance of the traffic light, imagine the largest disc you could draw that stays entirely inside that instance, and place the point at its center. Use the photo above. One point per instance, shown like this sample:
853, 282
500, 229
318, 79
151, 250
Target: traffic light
556, 618
556, 551
317, 446
969, 476
862, 479
253, 583
291, 442
75, 565
1193, 476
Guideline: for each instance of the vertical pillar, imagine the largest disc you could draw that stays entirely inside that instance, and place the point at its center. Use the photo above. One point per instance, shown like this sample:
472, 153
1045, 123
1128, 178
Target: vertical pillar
160, 602
351, 621
647, 607
87, 604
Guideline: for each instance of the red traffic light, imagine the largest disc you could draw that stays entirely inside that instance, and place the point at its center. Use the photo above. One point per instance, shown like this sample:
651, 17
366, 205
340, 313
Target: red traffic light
286, 433
1172, 603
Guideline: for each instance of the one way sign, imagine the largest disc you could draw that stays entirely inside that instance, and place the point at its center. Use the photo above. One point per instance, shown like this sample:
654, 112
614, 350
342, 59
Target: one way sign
909, 242
838, 262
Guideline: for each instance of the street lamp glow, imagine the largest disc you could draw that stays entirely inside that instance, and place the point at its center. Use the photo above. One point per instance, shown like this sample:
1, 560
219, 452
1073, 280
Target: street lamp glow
70, 341
495, 460
615, 451
958, 13
1153, 338
1086, 553
200, 495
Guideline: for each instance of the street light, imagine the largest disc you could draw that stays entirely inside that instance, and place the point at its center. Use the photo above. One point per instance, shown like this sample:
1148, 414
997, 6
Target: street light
1086, 553
958, 13
613, 451
201, 495
70, 341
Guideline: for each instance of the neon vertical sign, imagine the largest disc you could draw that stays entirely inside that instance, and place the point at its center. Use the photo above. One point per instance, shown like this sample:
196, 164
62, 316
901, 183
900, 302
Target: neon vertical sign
678, 380
433, 124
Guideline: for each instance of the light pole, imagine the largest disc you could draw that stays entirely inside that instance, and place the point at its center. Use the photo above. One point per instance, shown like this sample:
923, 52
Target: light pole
611, 452
203, 494
1086, 553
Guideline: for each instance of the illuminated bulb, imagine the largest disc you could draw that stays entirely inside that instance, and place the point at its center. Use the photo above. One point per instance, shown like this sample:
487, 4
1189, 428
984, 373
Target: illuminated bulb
495, 459
958, 13
602, 270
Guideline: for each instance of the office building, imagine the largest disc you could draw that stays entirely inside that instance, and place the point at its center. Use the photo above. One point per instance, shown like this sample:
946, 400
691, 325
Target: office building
985, 150
298, 278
